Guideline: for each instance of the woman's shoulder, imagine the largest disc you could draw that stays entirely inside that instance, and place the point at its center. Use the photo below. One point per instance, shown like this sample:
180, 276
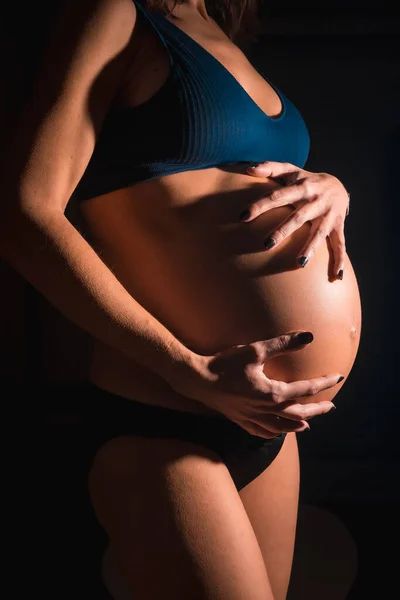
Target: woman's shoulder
85, 58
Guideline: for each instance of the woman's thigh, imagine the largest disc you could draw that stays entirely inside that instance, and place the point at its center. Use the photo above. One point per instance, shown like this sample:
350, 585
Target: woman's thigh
271, 503
176, 523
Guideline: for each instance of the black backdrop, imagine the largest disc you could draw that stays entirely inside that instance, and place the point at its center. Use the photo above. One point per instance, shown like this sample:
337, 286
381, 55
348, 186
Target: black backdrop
338, 63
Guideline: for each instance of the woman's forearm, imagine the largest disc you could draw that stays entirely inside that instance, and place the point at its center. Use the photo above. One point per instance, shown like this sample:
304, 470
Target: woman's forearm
52, 255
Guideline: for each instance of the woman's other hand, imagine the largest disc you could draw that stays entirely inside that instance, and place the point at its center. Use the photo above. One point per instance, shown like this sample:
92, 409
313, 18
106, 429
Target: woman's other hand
233, 383
318, 198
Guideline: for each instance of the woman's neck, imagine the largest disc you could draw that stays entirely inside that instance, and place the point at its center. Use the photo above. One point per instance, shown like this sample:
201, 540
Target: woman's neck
193, 6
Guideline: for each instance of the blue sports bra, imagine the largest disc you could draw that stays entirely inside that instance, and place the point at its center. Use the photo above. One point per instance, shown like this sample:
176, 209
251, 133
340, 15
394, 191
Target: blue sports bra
200, 118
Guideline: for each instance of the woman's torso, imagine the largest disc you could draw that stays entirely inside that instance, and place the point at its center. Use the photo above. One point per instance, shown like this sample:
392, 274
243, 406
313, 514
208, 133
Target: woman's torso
177, 245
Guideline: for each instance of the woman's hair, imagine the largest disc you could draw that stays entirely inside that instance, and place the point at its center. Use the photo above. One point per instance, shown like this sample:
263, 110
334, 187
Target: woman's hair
238, 19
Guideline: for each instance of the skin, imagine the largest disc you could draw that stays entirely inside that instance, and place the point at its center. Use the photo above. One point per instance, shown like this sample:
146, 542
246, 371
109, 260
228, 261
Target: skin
193, 253
219, 287
178, 246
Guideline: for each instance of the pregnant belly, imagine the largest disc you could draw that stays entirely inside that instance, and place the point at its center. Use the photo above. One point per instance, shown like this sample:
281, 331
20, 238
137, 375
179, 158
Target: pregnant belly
214, 286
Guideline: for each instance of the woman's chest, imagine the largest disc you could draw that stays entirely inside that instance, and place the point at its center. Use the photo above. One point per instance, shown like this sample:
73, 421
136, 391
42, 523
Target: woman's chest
151, 67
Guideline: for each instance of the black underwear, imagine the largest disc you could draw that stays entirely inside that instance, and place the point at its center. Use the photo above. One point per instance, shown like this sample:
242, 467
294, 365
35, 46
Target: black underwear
107, 415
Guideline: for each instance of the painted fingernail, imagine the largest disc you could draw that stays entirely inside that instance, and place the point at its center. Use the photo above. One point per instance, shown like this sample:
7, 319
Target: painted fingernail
340, 379
340, 274
269, 243
305, 337
303, 260
244, 215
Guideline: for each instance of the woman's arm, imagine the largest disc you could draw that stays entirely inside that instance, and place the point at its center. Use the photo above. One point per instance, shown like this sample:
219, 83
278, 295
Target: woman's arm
84, 63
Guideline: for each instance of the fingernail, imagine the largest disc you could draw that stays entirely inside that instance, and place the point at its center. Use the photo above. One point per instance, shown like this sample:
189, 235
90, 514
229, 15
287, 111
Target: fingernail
253, 166
305, 337
307, 428
303, 260
340, 379
269, 243
340, 274
244, 215
334, 407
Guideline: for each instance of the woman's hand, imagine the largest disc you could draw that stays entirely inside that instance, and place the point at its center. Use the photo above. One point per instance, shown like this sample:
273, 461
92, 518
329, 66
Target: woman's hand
317, 197
233, 383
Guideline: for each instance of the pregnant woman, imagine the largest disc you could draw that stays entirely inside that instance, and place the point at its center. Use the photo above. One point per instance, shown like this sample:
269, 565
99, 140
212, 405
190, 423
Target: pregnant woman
202, 282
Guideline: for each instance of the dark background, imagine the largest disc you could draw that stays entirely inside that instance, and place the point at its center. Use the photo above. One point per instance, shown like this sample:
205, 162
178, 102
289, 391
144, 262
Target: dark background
338, 62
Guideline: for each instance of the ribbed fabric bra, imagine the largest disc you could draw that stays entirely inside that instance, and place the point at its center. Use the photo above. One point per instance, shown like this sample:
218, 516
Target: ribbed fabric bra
200, 118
